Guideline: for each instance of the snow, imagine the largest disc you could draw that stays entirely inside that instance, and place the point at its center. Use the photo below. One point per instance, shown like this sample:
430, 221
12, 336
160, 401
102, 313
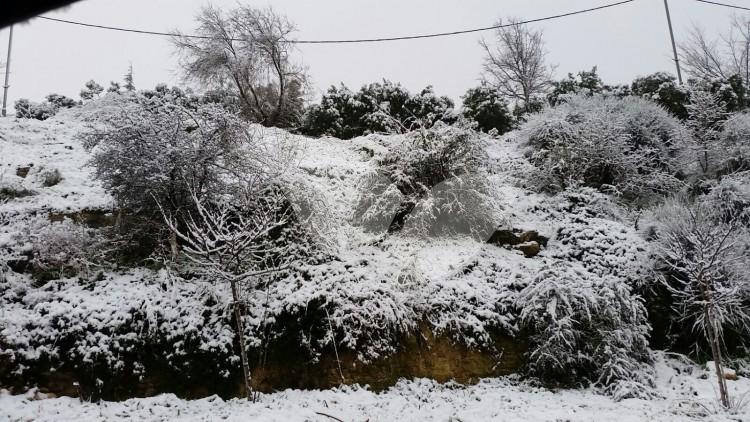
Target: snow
687, 394
49, 144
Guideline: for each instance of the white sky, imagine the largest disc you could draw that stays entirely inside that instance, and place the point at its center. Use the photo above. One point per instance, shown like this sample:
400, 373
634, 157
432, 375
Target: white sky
625, 41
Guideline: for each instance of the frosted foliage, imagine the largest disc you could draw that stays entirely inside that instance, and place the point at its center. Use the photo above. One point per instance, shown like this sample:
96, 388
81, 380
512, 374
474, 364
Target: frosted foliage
590, 235
704, 248
628, 146
149, 149
479, 296
65, 247
433, 182
586, 327
706, 114
109, 321
360, 298
735, 141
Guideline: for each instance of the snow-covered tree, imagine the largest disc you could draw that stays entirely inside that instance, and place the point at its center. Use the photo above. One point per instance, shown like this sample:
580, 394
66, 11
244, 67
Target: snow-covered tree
114, 87
380, 107
149, 149
663, 88
628, 146
704, 246
488, 109
706, 115
735, 142
249, 49
232, 241
515, 64
129, 85
705, 58
90, 90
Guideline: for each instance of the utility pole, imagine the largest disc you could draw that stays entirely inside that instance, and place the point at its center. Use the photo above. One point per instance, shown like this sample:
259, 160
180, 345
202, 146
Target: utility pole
674, 46
7, 72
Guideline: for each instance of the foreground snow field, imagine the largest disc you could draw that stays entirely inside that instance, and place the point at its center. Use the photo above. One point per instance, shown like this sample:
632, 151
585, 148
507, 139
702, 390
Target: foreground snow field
686, 392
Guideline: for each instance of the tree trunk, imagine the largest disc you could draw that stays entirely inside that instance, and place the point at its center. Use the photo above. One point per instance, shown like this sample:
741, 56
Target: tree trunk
716, 352
241, 339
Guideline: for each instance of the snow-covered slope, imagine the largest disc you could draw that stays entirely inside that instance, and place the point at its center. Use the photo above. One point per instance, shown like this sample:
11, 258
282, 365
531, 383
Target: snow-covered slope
377, 289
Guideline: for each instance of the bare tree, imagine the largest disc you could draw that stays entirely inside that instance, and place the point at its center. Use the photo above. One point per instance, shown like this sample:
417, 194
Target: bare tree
706, 249
250, 50
718, 58
515, 64
233, 242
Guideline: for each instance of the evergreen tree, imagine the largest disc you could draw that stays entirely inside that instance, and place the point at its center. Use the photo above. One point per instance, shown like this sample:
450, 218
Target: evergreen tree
90, 90
129, 85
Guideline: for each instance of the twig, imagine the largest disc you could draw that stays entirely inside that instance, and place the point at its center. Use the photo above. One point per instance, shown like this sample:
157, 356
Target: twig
335, 349
329, 416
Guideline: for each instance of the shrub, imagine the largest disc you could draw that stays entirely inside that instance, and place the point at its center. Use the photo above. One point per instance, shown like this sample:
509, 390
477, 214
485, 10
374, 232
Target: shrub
585, 328
433, 182
26, 109
61, 101
626, 145
379, 107
150, 150
663, 89
735, 143
586, 83
488, 109
64, 249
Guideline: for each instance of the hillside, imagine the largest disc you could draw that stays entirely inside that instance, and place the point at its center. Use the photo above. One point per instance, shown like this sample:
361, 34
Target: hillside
371, 306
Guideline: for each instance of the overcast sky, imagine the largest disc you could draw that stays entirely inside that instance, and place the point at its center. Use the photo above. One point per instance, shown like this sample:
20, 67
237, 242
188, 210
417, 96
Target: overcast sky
624, 42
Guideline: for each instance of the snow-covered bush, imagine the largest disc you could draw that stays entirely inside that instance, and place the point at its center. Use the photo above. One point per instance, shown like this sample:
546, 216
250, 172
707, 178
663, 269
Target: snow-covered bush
64, 249
488, 109
358, 303
626, 145
586, 328
431, 183
376, 108
479, 299
26, 109
735, 142
663, 89
121, 325
152, 151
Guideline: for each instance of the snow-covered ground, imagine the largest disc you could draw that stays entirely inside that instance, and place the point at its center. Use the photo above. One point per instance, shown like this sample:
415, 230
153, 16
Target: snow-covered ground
687, 394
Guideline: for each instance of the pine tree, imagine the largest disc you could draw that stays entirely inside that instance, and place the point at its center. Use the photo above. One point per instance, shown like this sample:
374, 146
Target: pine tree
129, 85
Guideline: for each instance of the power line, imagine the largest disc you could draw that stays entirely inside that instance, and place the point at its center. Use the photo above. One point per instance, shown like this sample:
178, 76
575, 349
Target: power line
724, 4
350, 41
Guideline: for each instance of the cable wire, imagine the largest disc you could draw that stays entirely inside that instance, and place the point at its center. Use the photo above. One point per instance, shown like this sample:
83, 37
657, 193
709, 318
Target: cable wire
350, 41
724, 4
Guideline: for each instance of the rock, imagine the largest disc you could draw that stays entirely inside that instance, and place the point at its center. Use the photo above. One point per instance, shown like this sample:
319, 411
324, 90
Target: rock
503, 237
23, 171
530, 242
529, 249
533, 236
